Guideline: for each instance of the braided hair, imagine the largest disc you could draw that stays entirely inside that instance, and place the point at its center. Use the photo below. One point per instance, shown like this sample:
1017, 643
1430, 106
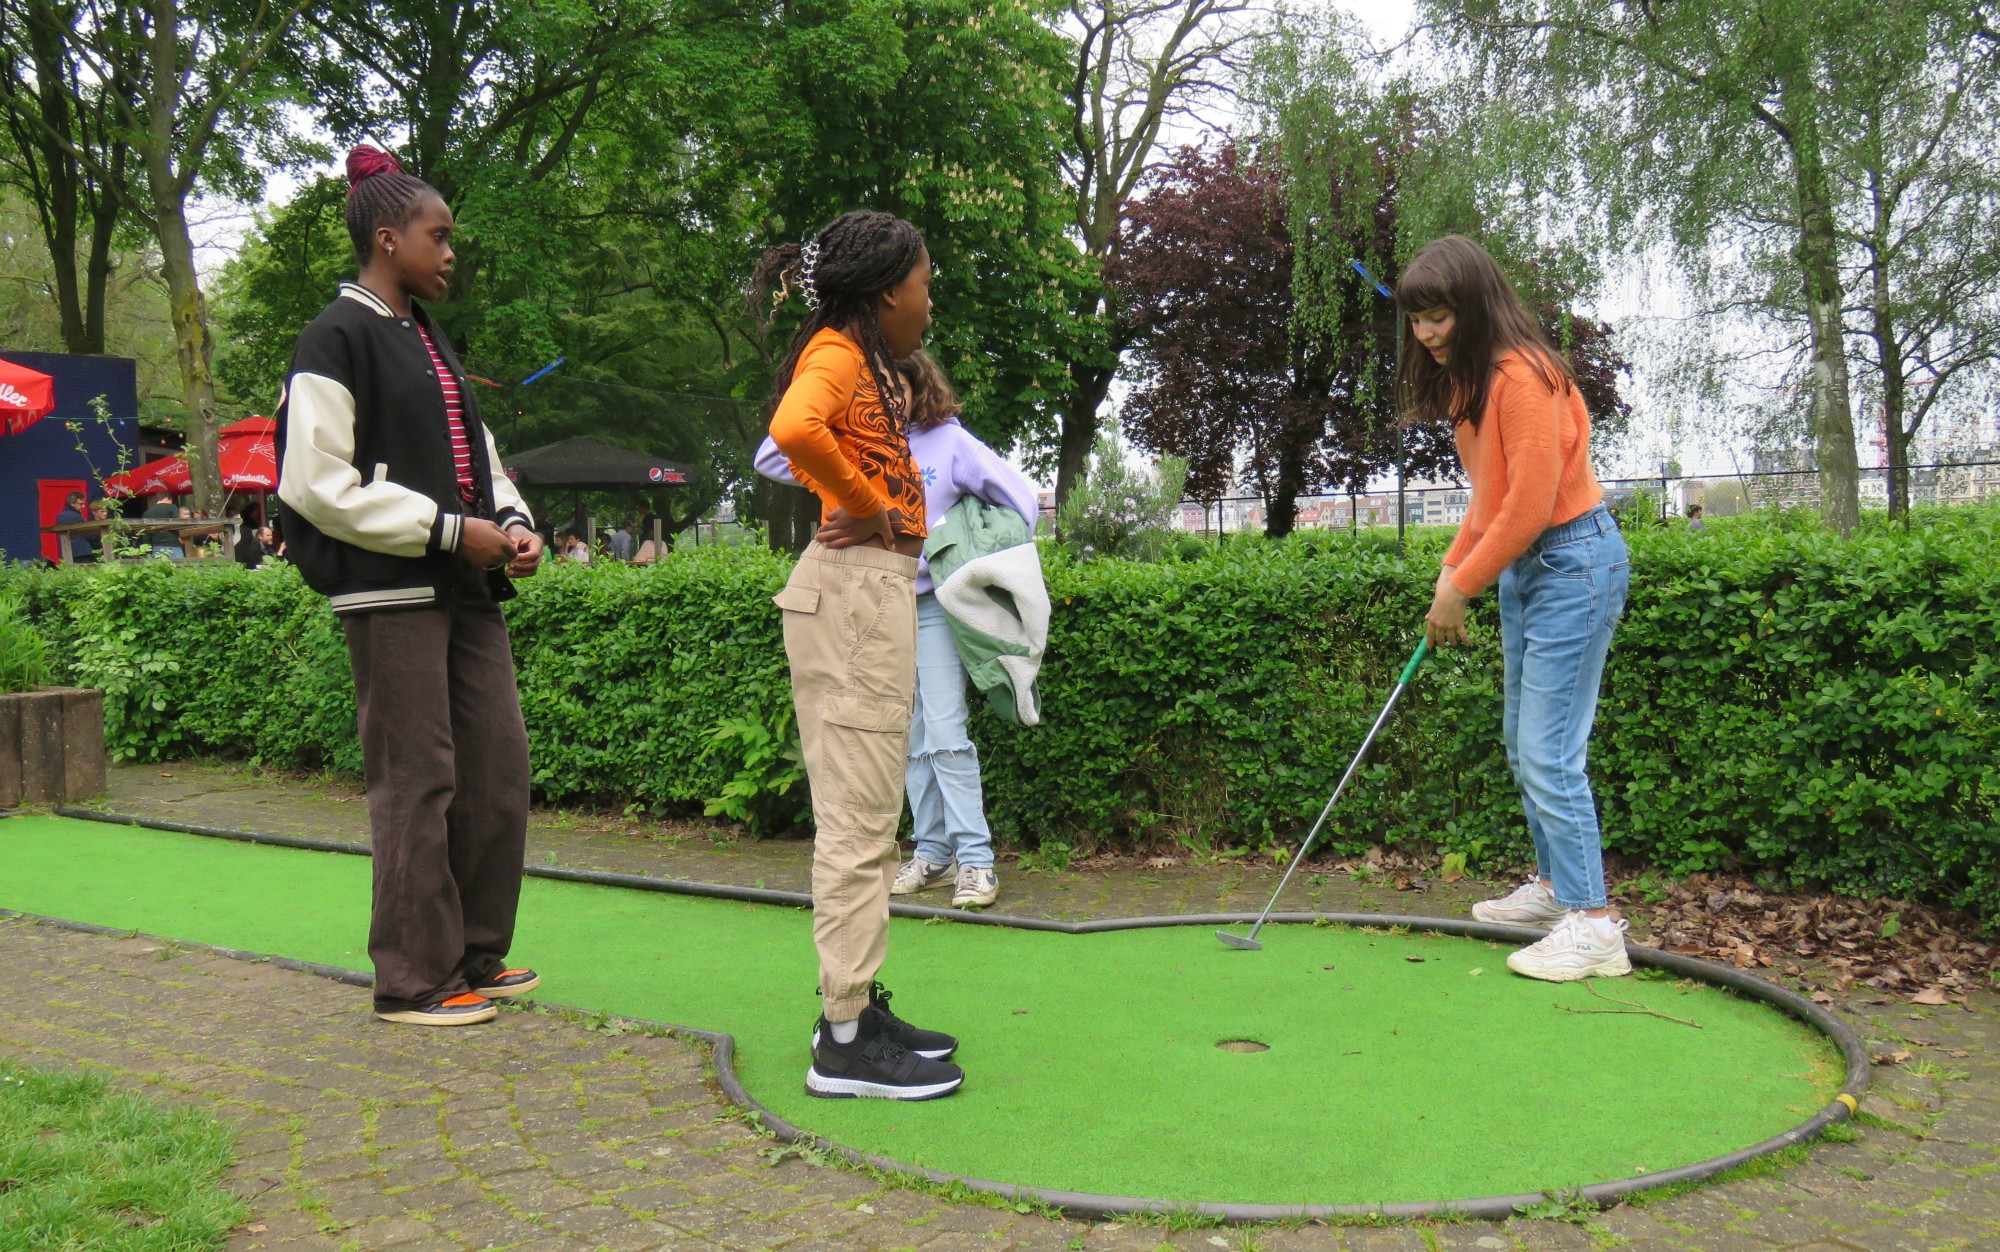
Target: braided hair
843, 270
379, 194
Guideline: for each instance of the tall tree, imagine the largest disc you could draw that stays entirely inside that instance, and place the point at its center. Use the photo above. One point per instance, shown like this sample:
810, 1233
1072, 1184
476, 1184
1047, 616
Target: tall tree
188, 90
53, 111
620, 235
1136, 66
1225, 380
1720, 123
1920, 186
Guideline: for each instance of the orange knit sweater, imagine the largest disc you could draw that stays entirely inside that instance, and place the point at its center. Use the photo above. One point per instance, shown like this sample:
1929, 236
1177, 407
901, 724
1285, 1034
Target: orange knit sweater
1529, 462
833, 429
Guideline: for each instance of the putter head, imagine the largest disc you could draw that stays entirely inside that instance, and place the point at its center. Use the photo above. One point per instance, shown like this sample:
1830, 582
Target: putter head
1238, 941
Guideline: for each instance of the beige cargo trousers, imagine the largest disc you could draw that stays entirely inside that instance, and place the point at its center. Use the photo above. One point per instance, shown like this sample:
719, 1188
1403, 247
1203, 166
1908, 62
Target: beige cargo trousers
851, 637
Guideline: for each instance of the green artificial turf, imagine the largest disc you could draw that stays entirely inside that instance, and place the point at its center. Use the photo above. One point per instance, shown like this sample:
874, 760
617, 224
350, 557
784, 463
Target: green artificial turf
1400, 1067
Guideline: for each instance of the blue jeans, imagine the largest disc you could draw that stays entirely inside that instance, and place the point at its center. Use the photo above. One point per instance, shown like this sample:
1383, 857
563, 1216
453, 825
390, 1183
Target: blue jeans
1558, 606
947, 806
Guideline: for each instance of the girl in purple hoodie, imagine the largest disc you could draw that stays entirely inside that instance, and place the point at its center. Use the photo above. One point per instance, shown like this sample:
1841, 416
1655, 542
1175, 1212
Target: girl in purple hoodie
947, 806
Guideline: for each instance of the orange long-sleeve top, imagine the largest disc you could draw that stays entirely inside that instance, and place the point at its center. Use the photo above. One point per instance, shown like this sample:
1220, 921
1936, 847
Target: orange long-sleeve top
1529, 462
840, 440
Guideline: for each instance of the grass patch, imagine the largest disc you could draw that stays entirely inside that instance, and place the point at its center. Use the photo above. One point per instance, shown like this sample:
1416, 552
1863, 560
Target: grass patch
85, 1166
1762, 1167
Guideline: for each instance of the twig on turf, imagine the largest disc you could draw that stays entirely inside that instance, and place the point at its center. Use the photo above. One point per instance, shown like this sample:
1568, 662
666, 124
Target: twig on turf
1631, 1006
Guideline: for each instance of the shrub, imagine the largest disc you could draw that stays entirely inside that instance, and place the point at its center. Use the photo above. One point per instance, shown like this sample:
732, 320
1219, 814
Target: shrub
1120, 510
24, 662
1777, 698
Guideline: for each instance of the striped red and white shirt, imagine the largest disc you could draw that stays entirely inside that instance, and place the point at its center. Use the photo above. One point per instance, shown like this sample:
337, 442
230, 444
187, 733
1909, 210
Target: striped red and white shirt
454, 413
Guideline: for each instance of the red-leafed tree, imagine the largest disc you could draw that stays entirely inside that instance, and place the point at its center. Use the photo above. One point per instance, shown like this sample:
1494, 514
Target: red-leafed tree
1204, 275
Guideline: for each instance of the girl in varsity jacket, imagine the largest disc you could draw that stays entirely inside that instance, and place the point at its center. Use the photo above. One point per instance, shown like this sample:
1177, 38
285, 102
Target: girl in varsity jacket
396, 508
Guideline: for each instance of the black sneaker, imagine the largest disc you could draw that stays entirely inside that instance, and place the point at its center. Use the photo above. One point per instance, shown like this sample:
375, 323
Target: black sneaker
932, 1045
875, 1066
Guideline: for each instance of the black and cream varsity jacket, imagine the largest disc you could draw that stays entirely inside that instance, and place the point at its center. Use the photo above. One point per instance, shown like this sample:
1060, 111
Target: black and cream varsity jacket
372, 513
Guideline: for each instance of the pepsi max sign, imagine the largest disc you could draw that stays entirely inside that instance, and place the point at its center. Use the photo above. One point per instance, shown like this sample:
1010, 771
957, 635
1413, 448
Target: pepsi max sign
660, 474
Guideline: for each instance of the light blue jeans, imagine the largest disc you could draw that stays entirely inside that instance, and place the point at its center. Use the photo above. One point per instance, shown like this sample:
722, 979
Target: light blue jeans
947, 806
1558, 606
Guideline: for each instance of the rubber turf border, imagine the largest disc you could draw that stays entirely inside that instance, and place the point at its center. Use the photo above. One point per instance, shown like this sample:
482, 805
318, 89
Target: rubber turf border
1087, 1204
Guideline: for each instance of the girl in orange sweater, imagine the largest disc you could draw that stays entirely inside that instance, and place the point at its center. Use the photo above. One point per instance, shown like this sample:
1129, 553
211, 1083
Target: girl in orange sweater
850, 611
1538, 527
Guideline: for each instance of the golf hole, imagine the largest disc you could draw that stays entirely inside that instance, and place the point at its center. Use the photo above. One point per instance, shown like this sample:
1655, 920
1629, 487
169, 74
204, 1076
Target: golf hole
1243, 1045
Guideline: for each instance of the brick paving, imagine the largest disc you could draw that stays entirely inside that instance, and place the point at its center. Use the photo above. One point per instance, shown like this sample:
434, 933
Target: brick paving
540, 1132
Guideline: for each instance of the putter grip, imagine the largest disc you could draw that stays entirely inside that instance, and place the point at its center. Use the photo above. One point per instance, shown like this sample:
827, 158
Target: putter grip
1416, 662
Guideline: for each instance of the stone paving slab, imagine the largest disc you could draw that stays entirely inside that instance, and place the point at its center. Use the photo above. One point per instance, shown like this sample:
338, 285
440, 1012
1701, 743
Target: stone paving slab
538, 1133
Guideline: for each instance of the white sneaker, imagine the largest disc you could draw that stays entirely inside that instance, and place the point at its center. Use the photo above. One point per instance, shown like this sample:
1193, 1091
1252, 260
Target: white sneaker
977, 885
1530, 904
1574, 950
916, 875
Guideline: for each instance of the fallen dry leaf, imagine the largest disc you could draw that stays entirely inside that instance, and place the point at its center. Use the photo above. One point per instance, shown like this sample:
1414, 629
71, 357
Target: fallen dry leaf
1958, 1054
1930, 995
1821, 997
1414, 960
1891, 1058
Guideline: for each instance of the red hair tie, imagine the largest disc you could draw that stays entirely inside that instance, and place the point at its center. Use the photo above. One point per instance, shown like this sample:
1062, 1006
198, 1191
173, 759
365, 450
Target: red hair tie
366, 161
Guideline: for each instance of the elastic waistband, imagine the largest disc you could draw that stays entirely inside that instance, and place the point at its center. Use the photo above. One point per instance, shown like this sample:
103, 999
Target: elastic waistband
866, 555
1598, 521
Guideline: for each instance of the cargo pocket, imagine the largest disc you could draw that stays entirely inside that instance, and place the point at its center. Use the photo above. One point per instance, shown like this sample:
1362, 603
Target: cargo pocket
865, 741
797, 599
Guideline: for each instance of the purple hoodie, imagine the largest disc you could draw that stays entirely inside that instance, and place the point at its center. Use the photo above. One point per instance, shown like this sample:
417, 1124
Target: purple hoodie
954, 465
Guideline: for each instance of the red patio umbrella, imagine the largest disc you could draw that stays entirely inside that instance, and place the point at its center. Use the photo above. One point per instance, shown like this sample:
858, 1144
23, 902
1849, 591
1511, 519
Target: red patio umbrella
26, 396
169, 474
247, 455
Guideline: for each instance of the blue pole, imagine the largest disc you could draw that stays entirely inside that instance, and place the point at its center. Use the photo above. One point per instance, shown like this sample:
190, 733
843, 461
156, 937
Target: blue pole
545, 369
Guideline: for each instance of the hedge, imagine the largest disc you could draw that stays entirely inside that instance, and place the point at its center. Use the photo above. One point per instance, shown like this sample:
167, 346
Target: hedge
1778, 698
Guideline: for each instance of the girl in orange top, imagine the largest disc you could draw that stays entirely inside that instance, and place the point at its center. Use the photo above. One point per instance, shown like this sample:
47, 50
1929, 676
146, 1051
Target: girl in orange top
1538, 527
850, 612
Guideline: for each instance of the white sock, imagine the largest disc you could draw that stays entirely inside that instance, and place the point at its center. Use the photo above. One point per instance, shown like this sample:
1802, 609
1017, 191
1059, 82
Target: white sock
1604, 927
844, 1033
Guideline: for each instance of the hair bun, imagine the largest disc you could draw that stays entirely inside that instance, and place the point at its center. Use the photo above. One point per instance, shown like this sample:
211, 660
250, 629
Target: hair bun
366, 161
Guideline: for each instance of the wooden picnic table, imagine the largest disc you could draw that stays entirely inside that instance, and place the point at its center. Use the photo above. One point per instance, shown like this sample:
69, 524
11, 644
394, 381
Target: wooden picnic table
183, 527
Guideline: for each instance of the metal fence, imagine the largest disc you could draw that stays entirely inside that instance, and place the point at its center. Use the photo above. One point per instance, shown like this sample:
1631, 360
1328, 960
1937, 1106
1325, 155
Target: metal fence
1943, 483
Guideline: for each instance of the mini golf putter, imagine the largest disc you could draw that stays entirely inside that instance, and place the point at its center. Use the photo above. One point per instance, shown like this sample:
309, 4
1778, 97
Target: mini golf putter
1249, 942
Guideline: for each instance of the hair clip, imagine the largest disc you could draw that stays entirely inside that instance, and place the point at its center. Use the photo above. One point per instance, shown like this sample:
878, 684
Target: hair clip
808, 258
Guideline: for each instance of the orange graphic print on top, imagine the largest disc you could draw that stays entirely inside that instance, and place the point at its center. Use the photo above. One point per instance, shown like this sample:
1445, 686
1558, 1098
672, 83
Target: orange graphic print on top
841, 442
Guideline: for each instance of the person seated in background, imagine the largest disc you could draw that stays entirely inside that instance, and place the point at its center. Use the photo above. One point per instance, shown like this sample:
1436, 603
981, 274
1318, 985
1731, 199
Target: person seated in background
649, 553
164, 541
620, 543
574, 548
82, 544
249, 548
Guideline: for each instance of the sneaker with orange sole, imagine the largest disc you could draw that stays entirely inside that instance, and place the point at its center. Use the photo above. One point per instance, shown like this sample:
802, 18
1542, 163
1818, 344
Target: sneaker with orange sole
461, 1010
510, 982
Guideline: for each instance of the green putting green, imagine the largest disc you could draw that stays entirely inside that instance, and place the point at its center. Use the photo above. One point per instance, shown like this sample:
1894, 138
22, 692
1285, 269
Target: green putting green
1400, 1067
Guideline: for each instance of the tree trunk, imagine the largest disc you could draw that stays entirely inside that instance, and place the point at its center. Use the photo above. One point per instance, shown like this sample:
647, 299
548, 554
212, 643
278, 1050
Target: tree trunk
1088, 387
1089, 383
97, 273
1283, 507
1895, 439
791, 516
1818, 255
189, 313
59, 202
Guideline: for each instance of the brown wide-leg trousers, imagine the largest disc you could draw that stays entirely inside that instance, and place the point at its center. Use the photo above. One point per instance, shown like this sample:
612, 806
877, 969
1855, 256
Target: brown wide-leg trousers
446, 758
851, 637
